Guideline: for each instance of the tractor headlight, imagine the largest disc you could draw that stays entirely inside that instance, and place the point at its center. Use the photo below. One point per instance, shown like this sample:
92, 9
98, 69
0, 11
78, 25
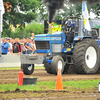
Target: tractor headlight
49, 54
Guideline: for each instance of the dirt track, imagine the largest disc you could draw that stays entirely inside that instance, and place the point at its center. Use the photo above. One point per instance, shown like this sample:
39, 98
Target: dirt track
10, 76
49, 95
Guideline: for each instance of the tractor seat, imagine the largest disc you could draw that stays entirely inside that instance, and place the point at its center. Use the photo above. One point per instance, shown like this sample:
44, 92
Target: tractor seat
94, 34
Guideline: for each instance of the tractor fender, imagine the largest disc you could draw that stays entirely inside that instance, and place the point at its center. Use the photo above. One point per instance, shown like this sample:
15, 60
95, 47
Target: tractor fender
80, 38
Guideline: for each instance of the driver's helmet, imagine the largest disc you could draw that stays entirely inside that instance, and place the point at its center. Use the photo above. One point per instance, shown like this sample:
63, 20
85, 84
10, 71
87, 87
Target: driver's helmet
68, 22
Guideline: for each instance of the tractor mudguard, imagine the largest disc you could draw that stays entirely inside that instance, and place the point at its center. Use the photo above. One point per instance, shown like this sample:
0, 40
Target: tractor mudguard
80, 38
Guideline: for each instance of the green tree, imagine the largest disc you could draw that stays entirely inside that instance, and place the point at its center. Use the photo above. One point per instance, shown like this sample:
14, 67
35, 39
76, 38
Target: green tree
96, 9
26, 32
69, 10
43, 12
28, 13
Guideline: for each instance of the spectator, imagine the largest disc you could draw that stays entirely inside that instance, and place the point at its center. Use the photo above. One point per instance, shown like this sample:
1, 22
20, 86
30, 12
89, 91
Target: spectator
26, 46
2, 41
10, 46
12, 41
33, 46
32, 37
18, 40
29, 51
21, 41
22, 46
5, 47
16, 46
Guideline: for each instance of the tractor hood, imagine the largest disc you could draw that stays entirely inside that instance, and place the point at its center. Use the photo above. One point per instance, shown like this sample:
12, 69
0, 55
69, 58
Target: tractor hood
49, 37
49, 42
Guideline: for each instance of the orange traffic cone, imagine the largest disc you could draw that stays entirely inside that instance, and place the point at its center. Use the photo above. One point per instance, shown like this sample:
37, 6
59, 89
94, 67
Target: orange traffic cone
59, 84
20, 79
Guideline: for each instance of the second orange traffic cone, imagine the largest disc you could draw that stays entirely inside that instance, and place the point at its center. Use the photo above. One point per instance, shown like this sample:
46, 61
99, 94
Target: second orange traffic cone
59, 84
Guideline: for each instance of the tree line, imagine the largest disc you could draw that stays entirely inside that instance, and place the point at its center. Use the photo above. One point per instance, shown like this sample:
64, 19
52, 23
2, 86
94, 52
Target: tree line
19, 12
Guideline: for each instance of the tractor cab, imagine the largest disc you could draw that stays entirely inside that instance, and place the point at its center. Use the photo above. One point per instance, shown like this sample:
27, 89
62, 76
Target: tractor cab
74, 27
74, 24
94, 33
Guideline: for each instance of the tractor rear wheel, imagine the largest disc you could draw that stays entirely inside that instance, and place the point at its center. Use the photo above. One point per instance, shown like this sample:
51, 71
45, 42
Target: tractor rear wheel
57, 62
27, 68
86, 56
48, 68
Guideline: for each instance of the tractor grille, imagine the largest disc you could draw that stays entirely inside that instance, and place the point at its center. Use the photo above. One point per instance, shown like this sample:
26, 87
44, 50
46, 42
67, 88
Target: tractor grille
42, 45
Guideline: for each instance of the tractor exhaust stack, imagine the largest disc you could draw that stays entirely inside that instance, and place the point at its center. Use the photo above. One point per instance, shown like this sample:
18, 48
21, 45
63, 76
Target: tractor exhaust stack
50, 28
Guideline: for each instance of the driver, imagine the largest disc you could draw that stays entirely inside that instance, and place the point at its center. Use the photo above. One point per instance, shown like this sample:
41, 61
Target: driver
67, 27
68, 32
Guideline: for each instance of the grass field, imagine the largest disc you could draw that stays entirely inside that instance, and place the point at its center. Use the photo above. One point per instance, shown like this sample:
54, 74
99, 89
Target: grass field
42, 86
50, 85
14, 68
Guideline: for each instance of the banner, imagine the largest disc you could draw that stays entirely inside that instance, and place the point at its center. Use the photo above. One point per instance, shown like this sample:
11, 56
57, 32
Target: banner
56, 26
86, 16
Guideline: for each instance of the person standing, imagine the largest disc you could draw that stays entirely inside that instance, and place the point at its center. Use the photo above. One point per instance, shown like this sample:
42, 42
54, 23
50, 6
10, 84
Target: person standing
5, 47
2, 40
10, 46
29, 51
32, 37
25, 47
16, 46
33, 46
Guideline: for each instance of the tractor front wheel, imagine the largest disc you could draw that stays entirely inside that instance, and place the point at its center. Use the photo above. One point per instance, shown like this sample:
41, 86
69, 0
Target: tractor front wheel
57, 62
27, 68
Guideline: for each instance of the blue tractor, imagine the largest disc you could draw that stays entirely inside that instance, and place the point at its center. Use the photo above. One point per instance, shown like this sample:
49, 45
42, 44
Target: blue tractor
83, 53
